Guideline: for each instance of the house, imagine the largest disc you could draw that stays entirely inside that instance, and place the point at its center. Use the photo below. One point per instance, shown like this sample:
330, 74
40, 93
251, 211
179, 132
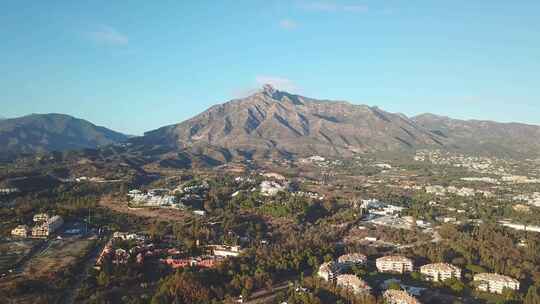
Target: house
329, 271
399, 297
353, 283
439, 272
20, 231
352, 259
495, 283
394, 263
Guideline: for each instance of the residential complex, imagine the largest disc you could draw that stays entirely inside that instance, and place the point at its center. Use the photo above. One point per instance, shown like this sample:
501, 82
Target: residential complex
399, 297
440, 271
353, 283
495, 283
398, 264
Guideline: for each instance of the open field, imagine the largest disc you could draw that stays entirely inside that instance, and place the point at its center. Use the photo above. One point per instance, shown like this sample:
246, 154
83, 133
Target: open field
161, 213
57, 256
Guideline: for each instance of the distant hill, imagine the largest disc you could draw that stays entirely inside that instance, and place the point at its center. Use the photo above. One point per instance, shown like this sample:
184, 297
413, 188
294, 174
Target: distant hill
52, 132
479, 136
272, 123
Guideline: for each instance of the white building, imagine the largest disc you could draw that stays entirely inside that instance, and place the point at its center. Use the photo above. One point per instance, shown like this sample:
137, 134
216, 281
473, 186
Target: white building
495, 283
394, 263
399, 297
352, 259
440, 271
353, 283
226, 251
271, 188
41, 217
329, 271
20, 231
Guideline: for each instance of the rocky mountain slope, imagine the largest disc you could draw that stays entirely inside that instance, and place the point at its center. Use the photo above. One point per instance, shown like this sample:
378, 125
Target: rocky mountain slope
52, 132
275, 123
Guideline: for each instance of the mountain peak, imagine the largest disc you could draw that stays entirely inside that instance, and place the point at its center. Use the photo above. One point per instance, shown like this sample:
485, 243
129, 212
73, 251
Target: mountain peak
269, 90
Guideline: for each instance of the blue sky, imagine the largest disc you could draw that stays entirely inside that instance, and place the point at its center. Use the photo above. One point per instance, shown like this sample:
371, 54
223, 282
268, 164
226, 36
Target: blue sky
137, 65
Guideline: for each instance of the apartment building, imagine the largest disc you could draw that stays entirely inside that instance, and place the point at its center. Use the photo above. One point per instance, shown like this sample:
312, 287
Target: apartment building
329, 271
439, 272
399, 297
352, 259
20, 231
353, 283
495, 283
48, 227
394, 263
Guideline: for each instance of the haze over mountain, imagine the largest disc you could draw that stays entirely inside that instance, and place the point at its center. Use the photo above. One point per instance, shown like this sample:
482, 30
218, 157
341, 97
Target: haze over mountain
276, 123
52, 132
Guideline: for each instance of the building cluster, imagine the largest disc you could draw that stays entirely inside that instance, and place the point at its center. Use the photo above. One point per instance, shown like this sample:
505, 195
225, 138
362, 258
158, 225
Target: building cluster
44, 226
330, 270
376, 207
532, 199
335, 271
271, 188
519, 179
153, 198
200, 262
140, 249
312, 195
7, 191
464, 192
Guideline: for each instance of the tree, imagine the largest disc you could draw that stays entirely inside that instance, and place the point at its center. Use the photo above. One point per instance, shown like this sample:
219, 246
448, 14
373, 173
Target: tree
103, 278
532, 296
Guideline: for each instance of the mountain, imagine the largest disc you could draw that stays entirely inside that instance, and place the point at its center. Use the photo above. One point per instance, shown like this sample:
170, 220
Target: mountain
476, 136
52, 132
273, 123
276, 123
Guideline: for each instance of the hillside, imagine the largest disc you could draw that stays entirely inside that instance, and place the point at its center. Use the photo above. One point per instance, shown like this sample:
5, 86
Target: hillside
52, 132
276, 123
479, 136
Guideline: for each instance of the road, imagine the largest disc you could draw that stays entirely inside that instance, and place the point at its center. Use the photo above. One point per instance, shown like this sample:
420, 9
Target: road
264, 295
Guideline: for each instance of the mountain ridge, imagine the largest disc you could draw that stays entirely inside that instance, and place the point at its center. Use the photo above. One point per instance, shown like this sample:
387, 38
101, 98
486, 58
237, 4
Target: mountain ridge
52, 132
277, 123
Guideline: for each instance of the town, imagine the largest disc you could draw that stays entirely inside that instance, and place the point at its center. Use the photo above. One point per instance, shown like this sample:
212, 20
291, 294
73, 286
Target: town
357, 230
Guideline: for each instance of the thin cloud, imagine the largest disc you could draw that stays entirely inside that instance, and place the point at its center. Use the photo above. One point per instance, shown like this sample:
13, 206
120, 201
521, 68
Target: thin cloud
279, 83
288, 24
334, 7
358, 8
108, 35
